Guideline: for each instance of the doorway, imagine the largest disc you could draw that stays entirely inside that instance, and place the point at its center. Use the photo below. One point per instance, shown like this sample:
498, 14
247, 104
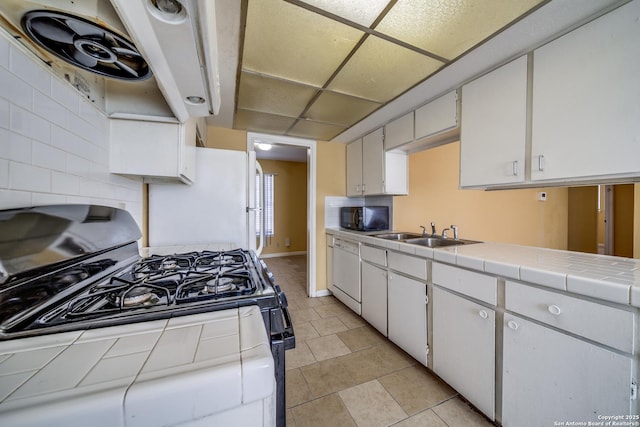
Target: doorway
309, 148
601, 219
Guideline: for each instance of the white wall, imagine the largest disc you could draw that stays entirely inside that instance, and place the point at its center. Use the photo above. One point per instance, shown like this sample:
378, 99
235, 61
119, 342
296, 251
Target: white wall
54, 145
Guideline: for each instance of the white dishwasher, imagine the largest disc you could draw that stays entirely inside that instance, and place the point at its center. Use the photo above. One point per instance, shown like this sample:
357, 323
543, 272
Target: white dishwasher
346, 273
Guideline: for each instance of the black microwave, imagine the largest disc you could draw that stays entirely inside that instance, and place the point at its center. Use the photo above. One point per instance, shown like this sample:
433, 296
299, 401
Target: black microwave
364, 218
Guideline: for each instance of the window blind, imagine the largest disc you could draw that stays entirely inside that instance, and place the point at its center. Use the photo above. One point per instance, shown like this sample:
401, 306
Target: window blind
267, 204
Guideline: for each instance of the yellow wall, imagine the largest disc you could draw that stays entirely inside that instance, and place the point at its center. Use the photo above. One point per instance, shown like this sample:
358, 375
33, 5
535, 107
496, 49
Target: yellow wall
636, 221
226, 139
290, 206
623, 213
583, 219
331, 176
509, 216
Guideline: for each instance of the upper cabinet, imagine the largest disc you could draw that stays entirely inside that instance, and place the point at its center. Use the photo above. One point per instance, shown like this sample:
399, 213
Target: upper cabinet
586, 104
398, 132
493, 135
160, 151
372, 171
569, 116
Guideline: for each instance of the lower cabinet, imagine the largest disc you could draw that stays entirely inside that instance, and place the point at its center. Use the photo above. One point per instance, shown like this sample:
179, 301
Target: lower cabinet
374, 296
552, 377
407, 312
464, 348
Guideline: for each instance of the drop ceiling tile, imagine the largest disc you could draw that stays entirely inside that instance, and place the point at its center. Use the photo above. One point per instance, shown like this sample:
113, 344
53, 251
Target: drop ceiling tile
262, 122
448, 28
363, 12
315, 130
293, 43
340, 109
381, 70
268, 95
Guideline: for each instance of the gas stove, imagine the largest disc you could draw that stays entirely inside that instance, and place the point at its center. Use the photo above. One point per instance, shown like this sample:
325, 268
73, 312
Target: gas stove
77, 268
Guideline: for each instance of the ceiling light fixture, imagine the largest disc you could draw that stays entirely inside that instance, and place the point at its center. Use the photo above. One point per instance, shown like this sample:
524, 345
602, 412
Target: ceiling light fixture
196, 100
263, 146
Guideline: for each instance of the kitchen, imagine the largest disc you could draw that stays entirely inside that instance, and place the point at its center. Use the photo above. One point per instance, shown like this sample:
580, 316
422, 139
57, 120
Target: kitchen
60, 155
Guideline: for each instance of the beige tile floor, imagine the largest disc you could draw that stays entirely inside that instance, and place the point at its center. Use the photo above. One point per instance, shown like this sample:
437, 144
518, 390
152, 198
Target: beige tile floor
344, 373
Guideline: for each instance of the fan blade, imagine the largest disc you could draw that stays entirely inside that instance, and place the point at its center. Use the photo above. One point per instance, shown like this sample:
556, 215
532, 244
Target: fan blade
126, 68
84, 59
52, 29
125, 51
85, 29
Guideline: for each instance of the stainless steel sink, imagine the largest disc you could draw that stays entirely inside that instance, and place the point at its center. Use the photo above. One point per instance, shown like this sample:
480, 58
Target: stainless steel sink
438, 241
397, 236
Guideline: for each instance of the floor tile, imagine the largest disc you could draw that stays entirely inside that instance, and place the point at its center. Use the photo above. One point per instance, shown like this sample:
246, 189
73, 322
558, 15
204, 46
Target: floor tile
374, 362
361, 338
426, 418
299, 356
371, 405
297, 389
331, 309
416, 389
328, 326
327, 347
323, 412
327, 377
304, 315
351, 320
290, 421
304, 331
456, 412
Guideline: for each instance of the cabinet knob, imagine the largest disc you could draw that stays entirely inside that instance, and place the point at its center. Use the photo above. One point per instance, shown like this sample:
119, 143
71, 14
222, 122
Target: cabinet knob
512, 325
515, 168
554, 309
483, 314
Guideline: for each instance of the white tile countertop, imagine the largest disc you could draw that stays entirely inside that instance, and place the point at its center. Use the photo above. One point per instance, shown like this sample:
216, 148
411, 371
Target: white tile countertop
161, 372
603, 277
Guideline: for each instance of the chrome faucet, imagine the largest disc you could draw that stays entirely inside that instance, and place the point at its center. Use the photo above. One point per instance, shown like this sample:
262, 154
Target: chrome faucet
444, 233
455, 231
433, 228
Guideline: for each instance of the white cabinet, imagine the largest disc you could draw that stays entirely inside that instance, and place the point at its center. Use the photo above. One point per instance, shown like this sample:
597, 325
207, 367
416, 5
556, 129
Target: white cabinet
398, 132
437, 117
551, 374
585, 100
494, 127
464, 346
329, 262
161, 151
346, 273
372, 171
407, 304
374, 296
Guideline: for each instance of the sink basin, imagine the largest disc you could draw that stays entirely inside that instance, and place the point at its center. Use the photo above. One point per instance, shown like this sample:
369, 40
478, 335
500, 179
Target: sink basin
397, 236
434, 242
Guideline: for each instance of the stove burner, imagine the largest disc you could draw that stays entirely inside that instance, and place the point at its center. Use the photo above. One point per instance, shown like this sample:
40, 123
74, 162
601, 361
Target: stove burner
223, 284
138, 296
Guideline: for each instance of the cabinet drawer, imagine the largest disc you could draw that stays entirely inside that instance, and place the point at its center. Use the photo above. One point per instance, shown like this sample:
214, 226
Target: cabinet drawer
602, 323
475, 285
374, 255
409, 265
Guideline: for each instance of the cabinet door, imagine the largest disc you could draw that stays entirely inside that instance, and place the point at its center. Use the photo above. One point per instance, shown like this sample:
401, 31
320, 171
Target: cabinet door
354, 168
464, 348
549, 377
373, 162
407, 314
437, 116
398, 132
494, 124
374, 296
329, 262
585, 100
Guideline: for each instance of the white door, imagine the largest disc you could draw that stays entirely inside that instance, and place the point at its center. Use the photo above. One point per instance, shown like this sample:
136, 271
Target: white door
407, 307
374, 296
550, 377
464, 348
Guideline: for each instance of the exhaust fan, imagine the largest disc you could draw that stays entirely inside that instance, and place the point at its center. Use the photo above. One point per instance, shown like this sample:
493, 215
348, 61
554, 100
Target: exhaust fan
86, 44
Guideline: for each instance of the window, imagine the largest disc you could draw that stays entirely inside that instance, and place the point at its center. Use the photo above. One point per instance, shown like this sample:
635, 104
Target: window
267, 204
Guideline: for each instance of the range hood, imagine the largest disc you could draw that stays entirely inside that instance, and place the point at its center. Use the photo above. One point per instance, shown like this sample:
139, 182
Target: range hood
129, 57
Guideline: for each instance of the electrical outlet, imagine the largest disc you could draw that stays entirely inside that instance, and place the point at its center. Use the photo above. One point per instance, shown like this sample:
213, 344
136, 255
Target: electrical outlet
542, 196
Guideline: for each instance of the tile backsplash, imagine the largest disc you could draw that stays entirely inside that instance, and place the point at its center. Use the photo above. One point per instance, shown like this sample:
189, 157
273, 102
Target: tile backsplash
54, 145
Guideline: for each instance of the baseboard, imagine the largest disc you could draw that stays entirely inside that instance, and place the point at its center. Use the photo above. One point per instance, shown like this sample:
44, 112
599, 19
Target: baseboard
323, 293
281, 254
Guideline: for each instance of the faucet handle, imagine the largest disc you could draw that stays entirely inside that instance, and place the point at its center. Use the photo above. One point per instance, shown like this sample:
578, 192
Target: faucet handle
424, 230
444, 233
455, 231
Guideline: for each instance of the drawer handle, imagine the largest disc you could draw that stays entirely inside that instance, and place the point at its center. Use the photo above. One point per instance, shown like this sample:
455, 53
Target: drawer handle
483, 314
554, 309
512, 325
